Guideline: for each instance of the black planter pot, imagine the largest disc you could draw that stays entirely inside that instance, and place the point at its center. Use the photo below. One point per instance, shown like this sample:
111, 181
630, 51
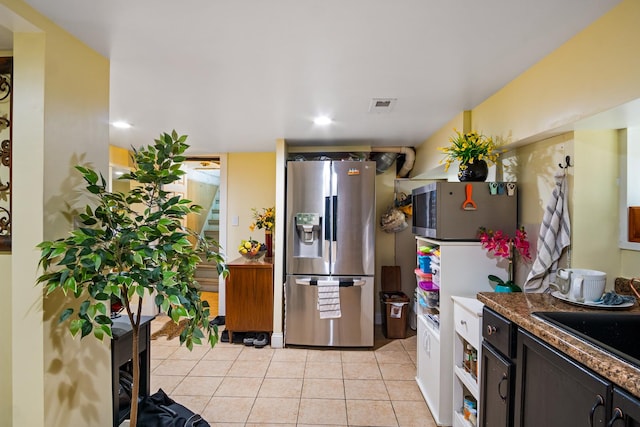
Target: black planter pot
474, 172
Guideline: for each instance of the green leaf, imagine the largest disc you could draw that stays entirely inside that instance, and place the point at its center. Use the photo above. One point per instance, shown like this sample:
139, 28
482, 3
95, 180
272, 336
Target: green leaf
197, 333
91, 311
496, 279
180, 310
83, 307
52, 287
97, 261
137, 258
165, 305
65, 315
107, 330
56, 252
86, 328
102, 308
75, 326
103, 320
98, 333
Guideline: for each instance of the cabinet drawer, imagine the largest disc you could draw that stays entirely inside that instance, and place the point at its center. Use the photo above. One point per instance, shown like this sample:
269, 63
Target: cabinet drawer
499, 332
467, 325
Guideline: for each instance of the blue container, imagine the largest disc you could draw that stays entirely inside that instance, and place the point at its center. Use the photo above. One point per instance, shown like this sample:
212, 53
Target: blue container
425, 263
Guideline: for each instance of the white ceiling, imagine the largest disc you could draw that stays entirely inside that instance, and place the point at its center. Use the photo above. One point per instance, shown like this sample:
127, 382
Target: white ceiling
237, 75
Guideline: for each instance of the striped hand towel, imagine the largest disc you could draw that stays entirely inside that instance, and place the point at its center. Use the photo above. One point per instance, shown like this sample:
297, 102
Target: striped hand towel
554, 237
329, 299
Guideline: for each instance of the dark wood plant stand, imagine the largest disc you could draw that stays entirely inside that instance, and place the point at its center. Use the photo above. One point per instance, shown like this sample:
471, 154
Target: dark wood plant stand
121, 346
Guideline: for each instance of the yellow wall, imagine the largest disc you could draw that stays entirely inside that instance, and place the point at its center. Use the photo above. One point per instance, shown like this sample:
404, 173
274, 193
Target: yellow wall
385, 242
595, 202
534, 167
251, 181
591, 73
60, 119
5, 332
120, 156
427, 164
592, 195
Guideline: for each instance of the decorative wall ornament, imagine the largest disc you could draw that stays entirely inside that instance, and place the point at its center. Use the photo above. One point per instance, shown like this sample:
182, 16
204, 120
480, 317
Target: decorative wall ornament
6, 101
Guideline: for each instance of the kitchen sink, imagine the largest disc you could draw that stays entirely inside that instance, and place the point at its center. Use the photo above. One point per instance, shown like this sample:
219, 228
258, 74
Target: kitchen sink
616, 333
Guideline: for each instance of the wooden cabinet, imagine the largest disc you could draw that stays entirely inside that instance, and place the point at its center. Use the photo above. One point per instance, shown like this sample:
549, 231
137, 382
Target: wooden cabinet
497, 370
249, 296
554, 391
551, 389
496, 407
625, 410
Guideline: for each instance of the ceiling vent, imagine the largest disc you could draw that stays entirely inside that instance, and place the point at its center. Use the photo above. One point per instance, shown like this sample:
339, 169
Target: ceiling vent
382, 105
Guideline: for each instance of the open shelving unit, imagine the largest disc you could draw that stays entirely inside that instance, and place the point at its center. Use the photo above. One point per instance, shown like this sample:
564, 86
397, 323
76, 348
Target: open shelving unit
463, 270
467, 319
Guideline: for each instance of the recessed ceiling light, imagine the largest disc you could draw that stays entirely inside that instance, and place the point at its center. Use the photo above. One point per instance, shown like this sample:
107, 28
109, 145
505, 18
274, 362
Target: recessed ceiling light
121, 125
322, 120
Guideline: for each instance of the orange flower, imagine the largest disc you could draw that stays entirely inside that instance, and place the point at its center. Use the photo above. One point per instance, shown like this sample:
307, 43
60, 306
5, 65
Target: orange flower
265, 219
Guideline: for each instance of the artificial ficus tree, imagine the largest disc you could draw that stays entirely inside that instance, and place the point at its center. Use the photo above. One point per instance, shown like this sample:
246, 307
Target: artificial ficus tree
130, 245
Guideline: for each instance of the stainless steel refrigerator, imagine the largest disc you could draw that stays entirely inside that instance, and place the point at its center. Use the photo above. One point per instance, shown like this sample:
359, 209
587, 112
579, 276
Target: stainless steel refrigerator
329, 295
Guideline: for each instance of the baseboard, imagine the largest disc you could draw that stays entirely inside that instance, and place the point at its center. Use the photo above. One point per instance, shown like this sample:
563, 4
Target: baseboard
277, 340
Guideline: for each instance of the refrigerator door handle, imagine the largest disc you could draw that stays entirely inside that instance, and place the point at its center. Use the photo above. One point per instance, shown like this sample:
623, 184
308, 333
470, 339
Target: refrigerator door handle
327, 218
342, 283
334, 218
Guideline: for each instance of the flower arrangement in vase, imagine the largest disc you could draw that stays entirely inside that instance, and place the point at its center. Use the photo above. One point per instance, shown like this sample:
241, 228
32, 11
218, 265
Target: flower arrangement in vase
501, 245
265, 219
473, 150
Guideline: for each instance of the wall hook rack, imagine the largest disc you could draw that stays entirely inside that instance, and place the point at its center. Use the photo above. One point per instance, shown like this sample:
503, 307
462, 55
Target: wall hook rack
567, 164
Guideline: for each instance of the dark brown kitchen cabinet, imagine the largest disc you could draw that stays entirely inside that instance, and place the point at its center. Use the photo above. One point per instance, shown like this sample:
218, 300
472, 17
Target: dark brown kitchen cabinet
496, 393
625, 410
555, 391
498, 370
249, 296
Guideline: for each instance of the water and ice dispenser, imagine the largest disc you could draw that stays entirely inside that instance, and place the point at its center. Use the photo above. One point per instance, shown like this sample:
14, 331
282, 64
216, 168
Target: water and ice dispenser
308, 237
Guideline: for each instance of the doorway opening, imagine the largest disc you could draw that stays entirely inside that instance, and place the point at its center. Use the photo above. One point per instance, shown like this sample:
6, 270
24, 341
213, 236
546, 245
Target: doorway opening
202, 186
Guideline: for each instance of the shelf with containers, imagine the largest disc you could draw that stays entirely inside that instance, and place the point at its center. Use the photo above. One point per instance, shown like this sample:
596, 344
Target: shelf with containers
459, 268
467, 320
427, 289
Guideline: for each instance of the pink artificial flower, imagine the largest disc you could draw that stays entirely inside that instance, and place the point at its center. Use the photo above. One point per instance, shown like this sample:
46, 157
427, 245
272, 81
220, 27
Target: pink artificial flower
499, 244
522, 244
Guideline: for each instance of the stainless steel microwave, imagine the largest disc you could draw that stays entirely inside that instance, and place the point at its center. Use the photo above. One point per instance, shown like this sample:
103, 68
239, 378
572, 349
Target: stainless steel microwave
456, 210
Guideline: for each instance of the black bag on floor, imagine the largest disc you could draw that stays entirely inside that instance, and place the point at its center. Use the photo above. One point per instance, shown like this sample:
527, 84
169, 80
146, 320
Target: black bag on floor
125, 385
159, 410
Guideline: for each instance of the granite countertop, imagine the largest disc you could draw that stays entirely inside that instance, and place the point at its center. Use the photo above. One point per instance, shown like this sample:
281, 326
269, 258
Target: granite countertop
518, 307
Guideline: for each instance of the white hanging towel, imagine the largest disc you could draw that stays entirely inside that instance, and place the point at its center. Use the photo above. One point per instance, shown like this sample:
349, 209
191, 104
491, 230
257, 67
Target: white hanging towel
554, 237
329, 299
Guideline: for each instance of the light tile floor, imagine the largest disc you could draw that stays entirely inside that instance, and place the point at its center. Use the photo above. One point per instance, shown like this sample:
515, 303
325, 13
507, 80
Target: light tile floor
234, 385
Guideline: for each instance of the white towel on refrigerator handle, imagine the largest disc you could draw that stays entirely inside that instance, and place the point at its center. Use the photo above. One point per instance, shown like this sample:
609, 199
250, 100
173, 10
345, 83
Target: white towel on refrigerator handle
329, 299
554, 237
